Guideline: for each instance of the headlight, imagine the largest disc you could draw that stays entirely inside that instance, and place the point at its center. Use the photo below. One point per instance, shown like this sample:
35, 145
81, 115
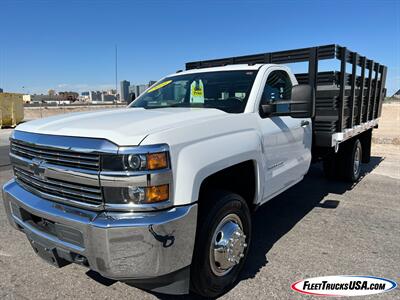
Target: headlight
135, 162
156, 161
136, 195
137, 176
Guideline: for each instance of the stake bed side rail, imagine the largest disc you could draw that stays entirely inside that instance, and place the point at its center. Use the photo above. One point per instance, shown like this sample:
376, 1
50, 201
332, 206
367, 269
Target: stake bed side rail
346, 101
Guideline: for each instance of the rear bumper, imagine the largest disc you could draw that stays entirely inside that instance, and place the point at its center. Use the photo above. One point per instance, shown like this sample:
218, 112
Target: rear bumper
122, 246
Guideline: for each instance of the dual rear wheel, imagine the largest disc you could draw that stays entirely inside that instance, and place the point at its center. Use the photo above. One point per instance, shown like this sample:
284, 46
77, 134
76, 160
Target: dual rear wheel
346, 164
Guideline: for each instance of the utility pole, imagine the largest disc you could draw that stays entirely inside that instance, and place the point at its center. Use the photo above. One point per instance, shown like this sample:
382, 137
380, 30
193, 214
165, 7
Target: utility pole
116, 72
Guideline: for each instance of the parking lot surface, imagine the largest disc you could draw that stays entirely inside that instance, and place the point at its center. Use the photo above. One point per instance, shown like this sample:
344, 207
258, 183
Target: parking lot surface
317, 228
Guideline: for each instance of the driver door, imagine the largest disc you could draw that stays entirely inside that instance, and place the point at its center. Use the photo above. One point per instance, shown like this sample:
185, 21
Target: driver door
286, 140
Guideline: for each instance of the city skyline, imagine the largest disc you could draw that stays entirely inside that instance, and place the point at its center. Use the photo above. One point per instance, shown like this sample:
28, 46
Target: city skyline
39, 52
84, 89
127, 93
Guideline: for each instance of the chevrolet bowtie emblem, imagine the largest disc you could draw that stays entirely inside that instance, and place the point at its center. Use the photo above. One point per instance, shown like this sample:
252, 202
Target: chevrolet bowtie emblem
38, 167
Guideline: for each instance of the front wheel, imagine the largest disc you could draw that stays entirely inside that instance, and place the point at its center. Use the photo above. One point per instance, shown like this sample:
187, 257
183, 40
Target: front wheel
222, 243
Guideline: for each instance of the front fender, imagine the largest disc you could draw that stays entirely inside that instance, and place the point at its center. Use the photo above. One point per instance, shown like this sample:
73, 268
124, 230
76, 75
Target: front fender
198, 160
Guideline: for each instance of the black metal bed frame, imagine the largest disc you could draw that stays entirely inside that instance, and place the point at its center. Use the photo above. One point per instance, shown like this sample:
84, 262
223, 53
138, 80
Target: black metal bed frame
341, 100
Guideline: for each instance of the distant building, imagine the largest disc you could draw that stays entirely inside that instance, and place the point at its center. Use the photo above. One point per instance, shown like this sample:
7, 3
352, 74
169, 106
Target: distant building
84, 96
132, 93
94, 96
44, 99
27, 98
112, 91
40, 98
140, 88
71, 96
396, 95
124, 90
105, 97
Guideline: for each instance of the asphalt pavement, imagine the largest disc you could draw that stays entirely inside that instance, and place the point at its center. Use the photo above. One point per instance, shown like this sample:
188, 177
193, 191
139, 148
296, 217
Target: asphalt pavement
317, 228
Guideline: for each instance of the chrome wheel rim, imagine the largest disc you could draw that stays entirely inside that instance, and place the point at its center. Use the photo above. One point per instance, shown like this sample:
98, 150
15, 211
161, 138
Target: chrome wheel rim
227, 245
357, 162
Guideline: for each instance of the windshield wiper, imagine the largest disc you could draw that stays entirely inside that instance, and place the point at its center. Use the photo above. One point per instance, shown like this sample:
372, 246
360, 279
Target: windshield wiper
166, 106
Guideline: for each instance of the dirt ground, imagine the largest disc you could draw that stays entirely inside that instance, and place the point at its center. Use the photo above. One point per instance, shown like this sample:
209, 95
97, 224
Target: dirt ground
386, 141
389, 125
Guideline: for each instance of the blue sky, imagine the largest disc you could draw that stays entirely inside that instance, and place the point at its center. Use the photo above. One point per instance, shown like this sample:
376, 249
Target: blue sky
69, 45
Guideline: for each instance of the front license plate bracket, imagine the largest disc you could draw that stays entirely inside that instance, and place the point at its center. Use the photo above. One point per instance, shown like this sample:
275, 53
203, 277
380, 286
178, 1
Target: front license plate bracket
48, 253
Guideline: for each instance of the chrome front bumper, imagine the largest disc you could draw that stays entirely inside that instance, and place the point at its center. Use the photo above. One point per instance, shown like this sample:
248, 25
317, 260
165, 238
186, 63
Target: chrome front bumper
118, 245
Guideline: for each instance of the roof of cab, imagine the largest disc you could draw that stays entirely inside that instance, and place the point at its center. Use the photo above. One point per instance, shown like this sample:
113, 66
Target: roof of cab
219, 69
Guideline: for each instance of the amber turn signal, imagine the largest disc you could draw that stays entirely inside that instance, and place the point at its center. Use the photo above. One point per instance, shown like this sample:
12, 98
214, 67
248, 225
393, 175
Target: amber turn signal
157, 161
157, 193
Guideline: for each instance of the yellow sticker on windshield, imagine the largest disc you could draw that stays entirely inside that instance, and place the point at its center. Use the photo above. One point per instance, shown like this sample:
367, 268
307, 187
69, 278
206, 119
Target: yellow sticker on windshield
159, 86
197, 91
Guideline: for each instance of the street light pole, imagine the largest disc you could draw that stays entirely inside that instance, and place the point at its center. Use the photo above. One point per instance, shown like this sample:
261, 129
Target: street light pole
116, 73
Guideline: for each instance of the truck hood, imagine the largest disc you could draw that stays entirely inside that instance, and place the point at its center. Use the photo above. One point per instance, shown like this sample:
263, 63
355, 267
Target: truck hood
124, 127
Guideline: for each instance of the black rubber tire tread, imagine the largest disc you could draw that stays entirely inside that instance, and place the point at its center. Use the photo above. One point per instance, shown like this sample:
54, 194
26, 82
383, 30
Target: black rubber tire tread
348, 161
340, 165
330, 166
215, 205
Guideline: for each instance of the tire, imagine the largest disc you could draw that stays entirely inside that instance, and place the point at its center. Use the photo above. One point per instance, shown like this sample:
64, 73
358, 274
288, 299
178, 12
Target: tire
341, 165
330, 166
208, 277
352, 160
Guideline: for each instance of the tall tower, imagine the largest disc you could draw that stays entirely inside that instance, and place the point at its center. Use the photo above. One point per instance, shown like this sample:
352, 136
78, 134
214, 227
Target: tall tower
124, 90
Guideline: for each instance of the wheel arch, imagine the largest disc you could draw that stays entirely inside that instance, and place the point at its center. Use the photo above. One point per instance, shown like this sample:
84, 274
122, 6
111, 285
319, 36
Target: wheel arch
241, 178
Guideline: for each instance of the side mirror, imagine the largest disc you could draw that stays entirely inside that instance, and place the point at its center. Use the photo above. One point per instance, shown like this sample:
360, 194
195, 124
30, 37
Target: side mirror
301, 104
267, 109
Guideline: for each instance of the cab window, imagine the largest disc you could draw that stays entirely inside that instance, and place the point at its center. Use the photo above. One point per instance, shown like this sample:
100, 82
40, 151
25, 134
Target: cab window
224, 90
278, 87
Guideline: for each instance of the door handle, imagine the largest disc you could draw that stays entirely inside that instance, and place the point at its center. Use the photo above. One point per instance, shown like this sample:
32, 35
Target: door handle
304, 123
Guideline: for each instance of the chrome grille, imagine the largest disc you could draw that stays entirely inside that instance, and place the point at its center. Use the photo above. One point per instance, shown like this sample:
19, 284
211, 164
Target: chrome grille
55, 189
56, 156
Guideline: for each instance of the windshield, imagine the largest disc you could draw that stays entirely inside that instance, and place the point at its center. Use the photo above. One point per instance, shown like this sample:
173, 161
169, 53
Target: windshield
227, 91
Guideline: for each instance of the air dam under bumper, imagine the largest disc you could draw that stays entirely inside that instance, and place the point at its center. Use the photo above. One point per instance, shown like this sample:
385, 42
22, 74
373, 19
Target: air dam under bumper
122, 246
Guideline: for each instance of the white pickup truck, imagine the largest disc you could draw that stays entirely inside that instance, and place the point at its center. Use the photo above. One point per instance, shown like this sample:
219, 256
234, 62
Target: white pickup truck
161, 193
